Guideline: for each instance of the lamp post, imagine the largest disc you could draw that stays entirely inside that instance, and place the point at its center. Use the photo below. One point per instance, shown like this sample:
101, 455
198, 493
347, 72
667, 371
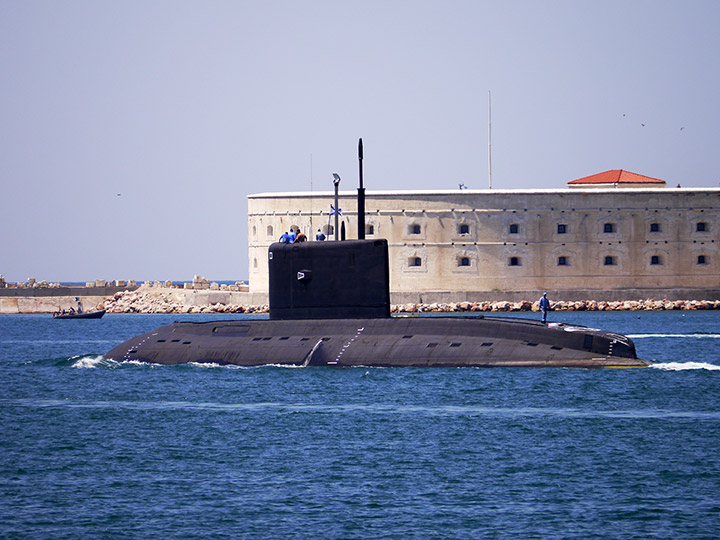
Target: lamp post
336, 182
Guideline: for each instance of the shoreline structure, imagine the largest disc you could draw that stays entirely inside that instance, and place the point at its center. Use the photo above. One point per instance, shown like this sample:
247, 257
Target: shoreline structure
150, 300
202, 296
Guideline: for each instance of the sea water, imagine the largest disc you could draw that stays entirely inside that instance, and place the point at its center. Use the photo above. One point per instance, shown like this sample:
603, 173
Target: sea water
91, 448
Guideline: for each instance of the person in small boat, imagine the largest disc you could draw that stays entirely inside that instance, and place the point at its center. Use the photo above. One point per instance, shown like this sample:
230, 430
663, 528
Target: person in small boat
72, 310
300, 237
319, 236
285, 238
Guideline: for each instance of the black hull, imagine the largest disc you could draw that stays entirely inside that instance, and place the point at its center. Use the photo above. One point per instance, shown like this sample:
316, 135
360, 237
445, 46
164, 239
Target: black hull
388, 342
88, 315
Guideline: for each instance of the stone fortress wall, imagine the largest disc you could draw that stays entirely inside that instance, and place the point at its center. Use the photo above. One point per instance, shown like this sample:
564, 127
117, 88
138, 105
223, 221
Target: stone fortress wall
454, 245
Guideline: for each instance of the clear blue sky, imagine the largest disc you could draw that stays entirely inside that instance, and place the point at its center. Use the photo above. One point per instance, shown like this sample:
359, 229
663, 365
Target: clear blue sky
184, 108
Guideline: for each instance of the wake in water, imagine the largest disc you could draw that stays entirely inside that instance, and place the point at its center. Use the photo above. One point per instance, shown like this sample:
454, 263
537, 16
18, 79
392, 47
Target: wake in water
232, 366
698, 335
91, 362
684, 366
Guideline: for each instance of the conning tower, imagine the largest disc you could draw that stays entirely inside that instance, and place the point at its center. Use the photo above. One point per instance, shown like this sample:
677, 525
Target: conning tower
329, 280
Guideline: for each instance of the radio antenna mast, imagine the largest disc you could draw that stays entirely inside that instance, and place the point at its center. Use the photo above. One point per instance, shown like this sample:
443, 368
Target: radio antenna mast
489, 142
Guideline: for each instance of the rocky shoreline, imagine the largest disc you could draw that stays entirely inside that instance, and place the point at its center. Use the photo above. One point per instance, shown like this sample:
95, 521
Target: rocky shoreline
153, 300
582, 305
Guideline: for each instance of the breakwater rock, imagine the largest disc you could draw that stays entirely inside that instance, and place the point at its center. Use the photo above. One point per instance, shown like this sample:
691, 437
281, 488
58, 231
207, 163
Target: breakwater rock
151, 299
172, 300
582, 305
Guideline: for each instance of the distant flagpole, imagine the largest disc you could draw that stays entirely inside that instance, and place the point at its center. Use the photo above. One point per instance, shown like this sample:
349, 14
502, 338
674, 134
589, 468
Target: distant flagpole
489, 142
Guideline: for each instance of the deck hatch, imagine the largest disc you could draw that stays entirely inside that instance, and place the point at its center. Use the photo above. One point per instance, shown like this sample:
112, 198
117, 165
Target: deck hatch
231, 330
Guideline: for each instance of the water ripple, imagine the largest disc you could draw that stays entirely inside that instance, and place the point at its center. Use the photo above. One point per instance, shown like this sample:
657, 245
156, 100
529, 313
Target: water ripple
368, 409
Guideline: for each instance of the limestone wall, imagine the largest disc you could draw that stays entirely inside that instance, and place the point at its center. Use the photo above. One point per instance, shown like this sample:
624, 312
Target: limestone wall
41, 297
47, 304
518, 240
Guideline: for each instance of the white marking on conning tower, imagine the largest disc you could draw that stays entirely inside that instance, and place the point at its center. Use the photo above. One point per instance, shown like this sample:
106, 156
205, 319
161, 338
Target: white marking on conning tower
347, 345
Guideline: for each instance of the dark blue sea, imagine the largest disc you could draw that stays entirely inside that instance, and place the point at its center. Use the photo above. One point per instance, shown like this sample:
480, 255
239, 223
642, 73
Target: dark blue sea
94, 449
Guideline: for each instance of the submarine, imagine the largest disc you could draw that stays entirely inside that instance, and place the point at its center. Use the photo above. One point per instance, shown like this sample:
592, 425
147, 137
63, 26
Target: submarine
330, 306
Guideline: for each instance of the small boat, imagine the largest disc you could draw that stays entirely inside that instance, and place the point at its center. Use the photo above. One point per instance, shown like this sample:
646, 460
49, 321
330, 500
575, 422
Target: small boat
80, 315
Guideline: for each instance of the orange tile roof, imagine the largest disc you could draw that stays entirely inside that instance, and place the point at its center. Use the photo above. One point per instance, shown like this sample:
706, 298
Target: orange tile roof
617, 176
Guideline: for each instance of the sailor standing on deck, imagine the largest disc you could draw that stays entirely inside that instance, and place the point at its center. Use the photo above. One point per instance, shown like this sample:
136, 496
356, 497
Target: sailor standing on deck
544, 306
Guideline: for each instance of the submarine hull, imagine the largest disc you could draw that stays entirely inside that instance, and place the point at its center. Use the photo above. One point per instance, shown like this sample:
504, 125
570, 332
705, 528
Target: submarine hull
382, 342
330, 306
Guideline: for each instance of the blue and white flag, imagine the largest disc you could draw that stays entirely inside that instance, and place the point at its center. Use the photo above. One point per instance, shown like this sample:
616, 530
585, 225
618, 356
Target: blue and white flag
332, 211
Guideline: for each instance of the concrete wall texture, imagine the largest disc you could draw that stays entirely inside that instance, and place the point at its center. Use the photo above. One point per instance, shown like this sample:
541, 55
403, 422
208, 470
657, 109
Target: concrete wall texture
515, 240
